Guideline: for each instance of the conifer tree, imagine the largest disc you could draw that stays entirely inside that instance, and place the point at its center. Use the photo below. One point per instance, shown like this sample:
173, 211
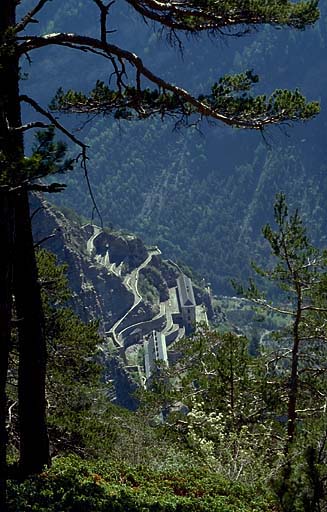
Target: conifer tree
300, 275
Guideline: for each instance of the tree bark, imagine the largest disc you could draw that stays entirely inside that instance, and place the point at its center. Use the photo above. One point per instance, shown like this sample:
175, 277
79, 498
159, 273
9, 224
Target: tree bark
294, 378
6, 259
6, 237
34, 443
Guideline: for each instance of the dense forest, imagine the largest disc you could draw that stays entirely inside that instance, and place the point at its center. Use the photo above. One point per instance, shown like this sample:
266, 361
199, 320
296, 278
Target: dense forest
228, 425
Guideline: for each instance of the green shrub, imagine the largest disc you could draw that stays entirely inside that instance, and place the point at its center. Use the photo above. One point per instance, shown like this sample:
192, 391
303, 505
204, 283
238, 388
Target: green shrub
74, 485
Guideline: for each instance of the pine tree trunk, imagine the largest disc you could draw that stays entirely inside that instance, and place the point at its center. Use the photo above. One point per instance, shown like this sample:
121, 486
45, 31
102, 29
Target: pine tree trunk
34, 444
294, 379
6, 259
6, 237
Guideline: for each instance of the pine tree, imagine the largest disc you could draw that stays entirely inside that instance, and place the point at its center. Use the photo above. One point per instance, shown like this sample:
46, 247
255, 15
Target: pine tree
300, 276
296, 362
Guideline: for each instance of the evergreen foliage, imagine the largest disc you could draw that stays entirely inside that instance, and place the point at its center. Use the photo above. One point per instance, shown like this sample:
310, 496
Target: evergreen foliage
296, 360
76, 485
300, 351
216, 403
229, 97
48, 157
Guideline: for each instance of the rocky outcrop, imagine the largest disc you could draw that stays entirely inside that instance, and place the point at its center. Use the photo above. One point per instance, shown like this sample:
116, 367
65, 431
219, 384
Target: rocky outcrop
129, 249
97, 294
202, 296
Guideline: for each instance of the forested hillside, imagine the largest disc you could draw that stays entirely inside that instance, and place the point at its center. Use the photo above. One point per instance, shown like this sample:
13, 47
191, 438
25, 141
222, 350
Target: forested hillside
202, 192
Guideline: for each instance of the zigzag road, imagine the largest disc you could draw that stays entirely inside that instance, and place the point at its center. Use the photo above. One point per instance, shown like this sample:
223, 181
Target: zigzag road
131, 283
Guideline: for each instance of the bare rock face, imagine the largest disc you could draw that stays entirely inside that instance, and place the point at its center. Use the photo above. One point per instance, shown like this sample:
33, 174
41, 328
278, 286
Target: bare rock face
97, 294
129, 249
118, 246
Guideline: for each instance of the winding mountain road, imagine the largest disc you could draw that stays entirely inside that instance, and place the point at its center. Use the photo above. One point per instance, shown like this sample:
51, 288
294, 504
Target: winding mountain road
131, 283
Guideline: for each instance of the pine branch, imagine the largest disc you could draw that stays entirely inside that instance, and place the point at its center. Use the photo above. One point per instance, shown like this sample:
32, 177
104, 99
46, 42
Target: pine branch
53, 188
253, 113
214, 16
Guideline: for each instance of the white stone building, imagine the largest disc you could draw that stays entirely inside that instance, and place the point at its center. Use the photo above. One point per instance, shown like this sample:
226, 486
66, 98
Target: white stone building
155, 349
186, 302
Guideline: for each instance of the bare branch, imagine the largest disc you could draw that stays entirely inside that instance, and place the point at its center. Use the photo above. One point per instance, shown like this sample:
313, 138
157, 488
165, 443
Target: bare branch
29, 17
104, 11
314, 308
39, 209
29, 126
265, 304
40, 242
310, 411
74, 139
53, 120
10, 414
